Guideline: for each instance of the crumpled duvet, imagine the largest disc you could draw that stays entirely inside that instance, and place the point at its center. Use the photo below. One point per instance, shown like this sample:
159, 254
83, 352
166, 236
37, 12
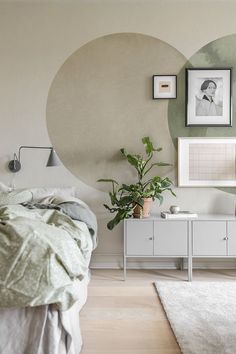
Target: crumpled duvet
43, 254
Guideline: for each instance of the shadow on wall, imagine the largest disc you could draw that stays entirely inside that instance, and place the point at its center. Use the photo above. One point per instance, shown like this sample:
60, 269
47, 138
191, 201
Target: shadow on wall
224, 204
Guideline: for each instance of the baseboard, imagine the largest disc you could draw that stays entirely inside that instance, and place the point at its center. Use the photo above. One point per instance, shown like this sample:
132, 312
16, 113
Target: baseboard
115, 261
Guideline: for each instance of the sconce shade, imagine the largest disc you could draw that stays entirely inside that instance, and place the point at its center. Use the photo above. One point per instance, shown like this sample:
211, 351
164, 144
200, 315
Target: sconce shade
53, 159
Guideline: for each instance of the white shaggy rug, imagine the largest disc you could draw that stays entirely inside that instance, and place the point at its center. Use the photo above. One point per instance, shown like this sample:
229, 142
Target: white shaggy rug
202, 315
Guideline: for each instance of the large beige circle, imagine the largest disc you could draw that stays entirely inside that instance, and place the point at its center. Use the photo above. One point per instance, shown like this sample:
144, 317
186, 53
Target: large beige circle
101, 101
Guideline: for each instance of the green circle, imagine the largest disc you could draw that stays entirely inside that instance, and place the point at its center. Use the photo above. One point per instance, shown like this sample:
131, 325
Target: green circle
220, 53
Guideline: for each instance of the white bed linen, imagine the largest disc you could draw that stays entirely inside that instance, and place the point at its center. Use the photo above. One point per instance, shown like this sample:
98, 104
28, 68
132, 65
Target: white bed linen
42, 329
70, 320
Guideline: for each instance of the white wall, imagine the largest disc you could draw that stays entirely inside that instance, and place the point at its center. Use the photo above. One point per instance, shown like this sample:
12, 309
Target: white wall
36, 39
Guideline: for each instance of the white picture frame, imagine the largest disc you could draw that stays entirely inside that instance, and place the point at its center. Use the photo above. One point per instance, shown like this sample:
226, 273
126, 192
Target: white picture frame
164, 86
208, 97
207, 162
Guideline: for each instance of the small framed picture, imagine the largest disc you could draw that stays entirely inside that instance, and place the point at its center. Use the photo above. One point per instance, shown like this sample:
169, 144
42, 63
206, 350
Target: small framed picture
208, 97
164, 86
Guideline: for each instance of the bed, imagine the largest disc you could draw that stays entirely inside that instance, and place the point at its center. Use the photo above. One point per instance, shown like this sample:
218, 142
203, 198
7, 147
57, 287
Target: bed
46, 241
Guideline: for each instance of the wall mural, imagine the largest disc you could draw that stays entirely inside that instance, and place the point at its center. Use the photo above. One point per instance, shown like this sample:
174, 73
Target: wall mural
220, 53
101, 100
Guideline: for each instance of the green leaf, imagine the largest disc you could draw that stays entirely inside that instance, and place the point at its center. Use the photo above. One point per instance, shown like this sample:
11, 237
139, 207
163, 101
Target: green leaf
113, 198
156, 179
126, 200
107, 206
112, 210
139, 201
169, 189
160, 197
107, 180
124, 152
118, 218
125, 187
111, 224
133, 160
162, 164
148, 145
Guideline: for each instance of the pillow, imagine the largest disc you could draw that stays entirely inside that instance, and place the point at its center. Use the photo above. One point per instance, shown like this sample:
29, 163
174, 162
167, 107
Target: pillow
60, 199
63, 192
15, 197
79, 210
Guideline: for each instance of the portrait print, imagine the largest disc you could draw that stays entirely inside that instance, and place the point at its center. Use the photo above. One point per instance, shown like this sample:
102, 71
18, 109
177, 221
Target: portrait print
208, 97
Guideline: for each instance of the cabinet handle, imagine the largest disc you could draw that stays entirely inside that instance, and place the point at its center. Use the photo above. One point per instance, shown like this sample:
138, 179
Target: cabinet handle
150, 238
226, 238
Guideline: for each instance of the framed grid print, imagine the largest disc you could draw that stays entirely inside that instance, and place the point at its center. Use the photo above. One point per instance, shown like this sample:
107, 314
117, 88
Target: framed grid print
207, 162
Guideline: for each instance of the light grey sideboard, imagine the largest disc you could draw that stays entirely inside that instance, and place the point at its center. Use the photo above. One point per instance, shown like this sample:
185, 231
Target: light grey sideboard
206, 236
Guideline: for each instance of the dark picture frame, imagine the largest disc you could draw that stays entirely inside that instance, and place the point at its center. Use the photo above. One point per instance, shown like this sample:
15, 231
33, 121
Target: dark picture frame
208, 97
164, 87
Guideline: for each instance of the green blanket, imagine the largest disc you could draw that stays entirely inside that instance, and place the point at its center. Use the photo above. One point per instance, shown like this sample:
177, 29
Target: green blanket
43, 254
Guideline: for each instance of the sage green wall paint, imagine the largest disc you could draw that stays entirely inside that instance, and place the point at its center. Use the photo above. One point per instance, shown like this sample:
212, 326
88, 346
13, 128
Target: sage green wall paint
220, 53
101, 100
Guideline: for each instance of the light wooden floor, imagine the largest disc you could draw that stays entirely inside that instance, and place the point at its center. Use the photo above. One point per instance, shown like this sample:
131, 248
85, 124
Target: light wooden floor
126, 317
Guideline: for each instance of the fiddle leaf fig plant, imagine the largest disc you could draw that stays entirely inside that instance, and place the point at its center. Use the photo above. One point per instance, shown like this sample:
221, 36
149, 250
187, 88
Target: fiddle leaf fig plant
124, 197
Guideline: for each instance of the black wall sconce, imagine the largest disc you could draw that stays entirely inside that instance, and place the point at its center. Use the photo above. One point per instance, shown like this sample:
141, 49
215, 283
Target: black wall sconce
15, 164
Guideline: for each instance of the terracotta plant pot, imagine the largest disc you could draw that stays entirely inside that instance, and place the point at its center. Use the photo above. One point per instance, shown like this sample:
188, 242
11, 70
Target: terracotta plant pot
143, 212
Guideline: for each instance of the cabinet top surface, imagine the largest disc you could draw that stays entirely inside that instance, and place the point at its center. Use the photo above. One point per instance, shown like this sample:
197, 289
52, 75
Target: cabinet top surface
206, 217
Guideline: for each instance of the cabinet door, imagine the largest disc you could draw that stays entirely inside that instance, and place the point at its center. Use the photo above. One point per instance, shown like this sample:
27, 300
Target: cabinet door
139, 238
231, 238
170, 238
209, 238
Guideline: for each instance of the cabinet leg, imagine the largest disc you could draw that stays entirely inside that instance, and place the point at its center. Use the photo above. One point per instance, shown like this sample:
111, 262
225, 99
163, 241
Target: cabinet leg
124, 268
181, 264
190, 260
190, 269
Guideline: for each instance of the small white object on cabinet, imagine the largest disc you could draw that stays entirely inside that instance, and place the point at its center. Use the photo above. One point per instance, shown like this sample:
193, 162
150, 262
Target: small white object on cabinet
174, 209
180, 215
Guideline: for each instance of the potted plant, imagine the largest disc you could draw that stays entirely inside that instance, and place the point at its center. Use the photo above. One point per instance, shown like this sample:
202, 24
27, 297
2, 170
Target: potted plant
130, 200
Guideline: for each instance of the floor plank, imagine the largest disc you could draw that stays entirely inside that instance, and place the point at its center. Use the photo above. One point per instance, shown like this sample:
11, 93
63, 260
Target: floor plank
126, 317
